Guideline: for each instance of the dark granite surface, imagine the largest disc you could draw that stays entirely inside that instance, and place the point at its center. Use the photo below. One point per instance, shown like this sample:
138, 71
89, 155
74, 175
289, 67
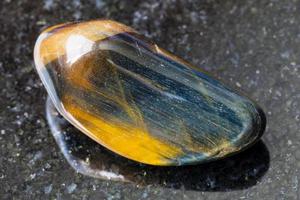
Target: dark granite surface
251, 45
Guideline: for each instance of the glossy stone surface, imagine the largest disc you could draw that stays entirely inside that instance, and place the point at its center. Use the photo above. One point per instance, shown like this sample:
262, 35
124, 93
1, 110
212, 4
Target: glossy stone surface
139, 100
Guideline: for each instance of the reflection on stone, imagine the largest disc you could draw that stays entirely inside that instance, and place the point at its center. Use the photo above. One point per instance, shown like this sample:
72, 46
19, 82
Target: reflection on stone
89, 158
140, 101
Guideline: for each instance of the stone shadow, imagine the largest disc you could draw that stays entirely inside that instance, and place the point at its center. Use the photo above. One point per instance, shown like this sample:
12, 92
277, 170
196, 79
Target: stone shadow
239, 171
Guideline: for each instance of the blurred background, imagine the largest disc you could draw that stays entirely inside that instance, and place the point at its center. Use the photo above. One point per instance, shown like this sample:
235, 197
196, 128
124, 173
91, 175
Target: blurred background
253, 46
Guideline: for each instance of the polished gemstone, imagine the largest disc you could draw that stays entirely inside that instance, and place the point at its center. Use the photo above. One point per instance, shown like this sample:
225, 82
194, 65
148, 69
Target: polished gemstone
139, 100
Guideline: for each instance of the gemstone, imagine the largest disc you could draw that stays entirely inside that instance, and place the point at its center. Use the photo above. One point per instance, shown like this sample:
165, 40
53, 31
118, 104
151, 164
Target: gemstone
139, 100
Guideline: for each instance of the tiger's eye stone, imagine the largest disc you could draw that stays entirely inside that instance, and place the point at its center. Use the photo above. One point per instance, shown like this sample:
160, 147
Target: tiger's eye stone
139, 100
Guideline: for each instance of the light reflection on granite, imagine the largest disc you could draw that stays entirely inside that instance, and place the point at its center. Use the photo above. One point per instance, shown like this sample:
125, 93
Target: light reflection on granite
89, 158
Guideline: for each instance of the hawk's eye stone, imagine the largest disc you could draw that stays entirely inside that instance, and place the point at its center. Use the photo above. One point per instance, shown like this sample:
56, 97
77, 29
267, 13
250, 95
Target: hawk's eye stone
139, 100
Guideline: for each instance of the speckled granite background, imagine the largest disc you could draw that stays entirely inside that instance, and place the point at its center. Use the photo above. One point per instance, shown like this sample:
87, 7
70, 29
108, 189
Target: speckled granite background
251, 45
